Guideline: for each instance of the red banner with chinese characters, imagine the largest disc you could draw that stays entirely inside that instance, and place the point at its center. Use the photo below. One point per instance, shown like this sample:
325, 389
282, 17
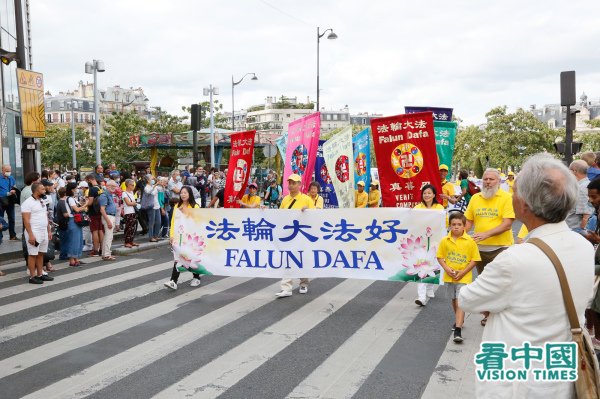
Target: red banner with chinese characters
406, 157
240, 165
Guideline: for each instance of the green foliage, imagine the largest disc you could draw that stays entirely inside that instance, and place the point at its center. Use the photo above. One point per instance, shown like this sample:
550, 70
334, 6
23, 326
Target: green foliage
220, 119
56, 147
594, 123
590, 140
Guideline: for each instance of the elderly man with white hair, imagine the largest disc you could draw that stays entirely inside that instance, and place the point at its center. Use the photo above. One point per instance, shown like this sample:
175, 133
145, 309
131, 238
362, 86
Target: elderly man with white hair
580, 214
520, 289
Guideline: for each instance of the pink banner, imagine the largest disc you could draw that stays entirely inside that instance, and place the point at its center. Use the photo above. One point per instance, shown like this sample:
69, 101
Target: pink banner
303, 140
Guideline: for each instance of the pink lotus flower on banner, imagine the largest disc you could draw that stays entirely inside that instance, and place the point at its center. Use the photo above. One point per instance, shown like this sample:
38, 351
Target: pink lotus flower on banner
417, 258
189, 253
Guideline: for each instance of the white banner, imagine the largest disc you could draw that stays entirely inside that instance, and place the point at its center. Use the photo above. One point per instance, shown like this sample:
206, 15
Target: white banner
339, 158
378, 243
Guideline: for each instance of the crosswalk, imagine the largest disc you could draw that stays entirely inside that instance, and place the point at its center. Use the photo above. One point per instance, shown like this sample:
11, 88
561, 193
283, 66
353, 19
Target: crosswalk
111, 330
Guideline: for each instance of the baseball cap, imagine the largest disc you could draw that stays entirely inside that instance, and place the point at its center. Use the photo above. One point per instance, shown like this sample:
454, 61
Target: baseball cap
443, 167
375, 182
83, 184
294, 177
511, 173
47, 183
252, 185
360, 183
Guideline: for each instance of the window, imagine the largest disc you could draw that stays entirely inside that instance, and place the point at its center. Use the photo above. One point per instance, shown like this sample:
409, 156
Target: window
62, 118
328, 117
62, 105
288, 115
49, 118
335, 117
364, 121
116, 96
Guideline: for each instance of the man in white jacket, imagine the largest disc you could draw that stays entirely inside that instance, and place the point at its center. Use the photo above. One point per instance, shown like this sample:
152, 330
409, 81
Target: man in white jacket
520, 288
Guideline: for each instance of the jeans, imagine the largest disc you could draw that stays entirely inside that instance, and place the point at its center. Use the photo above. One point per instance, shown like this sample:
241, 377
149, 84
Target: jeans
10, 216
154, 222
74, 240
63, 236
164, 225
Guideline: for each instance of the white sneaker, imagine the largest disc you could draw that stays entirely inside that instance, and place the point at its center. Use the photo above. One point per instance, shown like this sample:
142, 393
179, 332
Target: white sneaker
421, 301
303, 289
171, 284
87, 248
283, 294
431, 294
195, 282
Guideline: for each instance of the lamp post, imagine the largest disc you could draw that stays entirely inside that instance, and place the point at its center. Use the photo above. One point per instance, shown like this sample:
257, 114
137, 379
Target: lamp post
330, 36
73, 152
210, 91
233, 84
94, 67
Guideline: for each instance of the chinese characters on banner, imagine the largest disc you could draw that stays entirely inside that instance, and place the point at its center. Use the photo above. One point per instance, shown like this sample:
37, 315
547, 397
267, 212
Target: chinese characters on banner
362, 158
378, 243
240, 165
406, 157
338, 155
445, 134
439, 114
301, 152
324, 179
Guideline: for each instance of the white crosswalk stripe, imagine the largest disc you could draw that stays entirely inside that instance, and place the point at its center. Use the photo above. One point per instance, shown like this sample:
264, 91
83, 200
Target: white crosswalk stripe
340, 373
24, 274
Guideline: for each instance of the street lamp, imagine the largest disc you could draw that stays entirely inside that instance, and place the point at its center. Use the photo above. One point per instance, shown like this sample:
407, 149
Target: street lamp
73, 151
94, 67
233, 84
210, 91
330, 36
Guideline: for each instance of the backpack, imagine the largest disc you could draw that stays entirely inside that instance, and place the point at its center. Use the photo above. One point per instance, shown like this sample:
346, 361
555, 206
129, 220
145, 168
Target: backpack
473, 189
95, 203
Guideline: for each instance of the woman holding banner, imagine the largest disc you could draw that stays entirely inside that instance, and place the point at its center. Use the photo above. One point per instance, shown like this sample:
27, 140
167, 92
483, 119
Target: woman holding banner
186, 201
313, 193
428, 201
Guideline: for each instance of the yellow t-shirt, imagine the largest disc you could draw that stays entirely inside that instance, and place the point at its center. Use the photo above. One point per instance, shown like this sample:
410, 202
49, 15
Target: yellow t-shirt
302, 200
360, 199
510, 185
172, 229
523, 232
318, 202
458, 254
448, 189
251, 200
437, 207
487, 214
374, 197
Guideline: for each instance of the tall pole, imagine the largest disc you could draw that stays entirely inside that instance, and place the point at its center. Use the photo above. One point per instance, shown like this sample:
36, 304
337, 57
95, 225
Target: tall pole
318, 92
96, 112
569, 138
212, 128
232, 105
73, 153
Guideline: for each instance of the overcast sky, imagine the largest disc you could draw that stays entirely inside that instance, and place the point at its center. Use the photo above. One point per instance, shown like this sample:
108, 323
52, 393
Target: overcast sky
469, 55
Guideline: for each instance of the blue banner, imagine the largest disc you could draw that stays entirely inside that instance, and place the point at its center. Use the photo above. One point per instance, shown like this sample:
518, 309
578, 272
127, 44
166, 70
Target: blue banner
322, 177
362, 158
439, 114
282, 144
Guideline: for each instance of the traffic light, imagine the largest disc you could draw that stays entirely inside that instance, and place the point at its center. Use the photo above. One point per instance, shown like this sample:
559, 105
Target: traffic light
7, 56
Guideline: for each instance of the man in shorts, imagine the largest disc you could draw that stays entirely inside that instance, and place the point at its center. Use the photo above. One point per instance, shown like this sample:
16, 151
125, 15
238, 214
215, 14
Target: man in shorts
37, 233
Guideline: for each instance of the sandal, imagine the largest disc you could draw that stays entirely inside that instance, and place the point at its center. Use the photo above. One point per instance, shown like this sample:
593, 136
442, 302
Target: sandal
128, 246
2, 273
50, 269
135, 245
73, 264
108, 258
483, 321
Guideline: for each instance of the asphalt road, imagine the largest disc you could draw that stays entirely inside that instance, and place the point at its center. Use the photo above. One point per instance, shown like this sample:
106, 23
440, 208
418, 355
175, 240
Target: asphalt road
111, 330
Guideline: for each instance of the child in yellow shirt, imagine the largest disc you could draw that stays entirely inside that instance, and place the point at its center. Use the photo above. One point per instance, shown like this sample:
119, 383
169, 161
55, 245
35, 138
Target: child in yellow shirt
457, 255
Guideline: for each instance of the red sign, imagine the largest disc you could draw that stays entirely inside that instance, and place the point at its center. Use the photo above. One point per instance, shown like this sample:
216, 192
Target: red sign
240, 164
406, 157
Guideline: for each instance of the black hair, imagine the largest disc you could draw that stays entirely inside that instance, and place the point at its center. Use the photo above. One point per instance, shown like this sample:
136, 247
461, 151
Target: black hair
594, 184
62, 192
432, 188
457, 215
31, 177
191, 199
463, 174
69, 189
314, 184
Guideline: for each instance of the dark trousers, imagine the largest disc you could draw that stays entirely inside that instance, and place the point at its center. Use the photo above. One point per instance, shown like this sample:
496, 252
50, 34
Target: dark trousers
175, 274
143, 219
487, 257
10, 217
130, 225
203, 199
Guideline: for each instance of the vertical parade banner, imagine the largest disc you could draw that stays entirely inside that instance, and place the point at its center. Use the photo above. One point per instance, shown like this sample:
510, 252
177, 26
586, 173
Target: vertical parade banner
445, 135
240, 165
324, 179
406, 157
281, 144
301, 151
338, 155
362, 158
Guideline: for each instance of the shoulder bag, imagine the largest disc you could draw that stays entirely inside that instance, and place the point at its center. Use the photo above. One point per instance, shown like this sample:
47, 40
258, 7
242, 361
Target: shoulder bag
80, 218
588, 371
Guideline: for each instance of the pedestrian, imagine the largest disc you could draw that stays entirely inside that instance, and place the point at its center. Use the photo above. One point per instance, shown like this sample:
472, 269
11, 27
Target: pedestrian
174, 186
250, 200
98, 174
37, 233
448, 193
163, 203
273, 195
578, 217
108, 210
520, 288
592, 315
81, 197
218, 200
374, 195
49, 201
510, 182
74, 237
186, 201
93, 211
294, 200
313, 193
202, 186
465, 195
457, 255
30, 178
62, 219
593, 161
8, 199
491, 214
129, 213
426, 291
152, 206
361, 198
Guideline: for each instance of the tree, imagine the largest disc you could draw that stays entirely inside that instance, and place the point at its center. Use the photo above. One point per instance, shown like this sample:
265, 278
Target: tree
56, 147
118, 128
469, 147
589, 138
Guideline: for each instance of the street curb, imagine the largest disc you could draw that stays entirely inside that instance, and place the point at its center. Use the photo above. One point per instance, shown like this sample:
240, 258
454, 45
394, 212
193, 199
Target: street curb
142, 247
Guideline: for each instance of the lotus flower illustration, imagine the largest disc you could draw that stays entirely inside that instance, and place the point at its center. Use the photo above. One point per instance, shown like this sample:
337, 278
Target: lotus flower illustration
188, 255
418, 260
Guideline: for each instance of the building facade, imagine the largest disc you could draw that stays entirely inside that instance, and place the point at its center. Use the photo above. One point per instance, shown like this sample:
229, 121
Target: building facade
555, 116
363, 118
331, 120
271, 119
11, 140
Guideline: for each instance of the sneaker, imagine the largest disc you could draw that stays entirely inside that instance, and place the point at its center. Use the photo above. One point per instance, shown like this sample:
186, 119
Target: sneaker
303, 289
457, 337
35, 280
45, 277
171, 284
431, 294
421, 301
453, 327
283, 294
195, 282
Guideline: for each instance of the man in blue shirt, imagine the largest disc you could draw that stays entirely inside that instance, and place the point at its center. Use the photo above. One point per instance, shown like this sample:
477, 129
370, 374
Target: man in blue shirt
8, 200
108, 210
